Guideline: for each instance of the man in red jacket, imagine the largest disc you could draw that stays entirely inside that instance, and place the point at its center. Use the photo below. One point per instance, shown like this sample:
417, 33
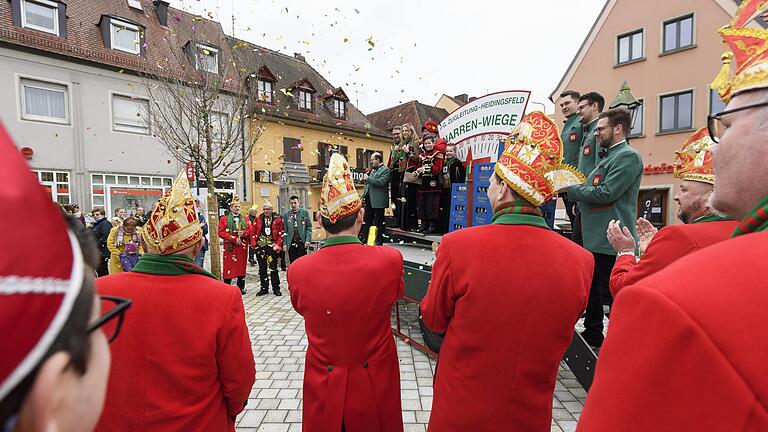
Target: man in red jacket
508, 313
701, 226
234, 229
267, 237
183, 361
686, 349
345, 292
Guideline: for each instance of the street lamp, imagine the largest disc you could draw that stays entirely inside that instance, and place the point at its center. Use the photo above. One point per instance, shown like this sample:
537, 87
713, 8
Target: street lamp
625, 99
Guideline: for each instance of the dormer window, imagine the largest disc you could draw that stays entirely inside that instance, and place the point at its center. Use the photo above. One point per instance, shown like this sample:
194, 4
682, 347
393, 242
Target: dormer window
124, 36
339, 108
305, 100
207, 58
265, 90
41, 15
136, 4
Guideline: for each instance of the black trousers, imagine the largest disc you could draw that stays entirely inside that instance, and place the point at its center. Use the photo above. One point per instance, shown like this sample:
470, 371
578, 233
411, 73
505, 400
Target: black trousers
599, 294
570, 208
296, 251
268, 258
373, 217
410, 217
576, 229
396, 178
103, 269
445, 210
240, 282
251, 254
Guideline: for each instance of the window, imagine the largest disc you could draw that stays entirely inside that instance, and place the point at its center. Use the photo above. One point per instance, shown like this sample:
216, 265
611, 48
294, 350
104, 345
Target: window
207, 59
56, 183
40, 15
363, 157
630, 47
678, 34
111, 191
637, 129
716, 104
325, 151
125, 37
136, 4
130, 114
676, 112
339, 108
292, 150
652, 205
305, 100
265, 91
44, 101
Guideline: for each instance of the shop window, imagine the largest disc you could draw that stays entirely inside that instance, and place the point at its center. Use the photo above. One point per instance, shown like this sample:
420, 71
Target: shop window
56, 183
652, 205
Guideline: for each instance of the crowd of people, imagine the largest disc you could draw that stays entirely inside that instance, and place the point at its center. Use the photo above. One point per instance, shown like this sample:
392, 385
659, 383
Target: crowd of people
165, 346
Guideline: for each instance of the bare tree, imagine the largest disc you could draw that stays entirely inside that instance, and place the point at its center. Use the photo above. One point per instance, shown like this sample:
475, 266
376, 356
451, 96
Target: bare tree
200, 97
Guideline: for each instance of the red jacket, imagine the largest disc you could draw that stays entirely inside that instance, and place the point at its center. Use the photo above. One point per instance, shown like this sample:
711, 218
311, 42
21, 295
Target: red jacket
345, 293
183, 360
508, 297
686, 349
669, 244
277, 230
235, 256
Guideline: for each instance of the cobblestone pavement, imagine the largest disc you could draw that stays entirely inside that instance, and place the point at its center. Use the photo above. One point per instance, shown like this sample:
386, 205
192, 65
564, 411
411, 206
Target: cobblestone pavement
279, 345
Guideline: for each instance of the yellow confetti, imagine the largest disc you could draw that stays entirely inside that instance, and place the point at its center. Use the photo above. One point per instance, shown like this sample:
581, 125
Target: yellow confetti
121, 71
346, 39
371, 42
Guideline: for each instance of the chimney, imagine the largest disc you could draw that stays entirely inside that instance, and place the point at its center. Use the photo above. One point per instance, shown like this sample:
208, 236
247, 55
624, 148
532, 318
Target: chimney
161, 7
462, 97
298, 56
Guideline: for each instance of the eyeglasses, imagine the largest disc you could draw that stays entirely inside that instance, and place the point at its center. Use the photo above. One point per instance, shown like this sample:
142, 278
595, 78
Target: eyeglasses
111, 329
715, 123
600, 129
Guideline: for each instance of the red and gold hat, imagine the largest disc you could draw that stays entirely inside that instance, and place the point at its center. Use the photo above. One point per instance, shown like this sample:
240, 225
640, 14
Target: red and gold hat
173, 225
430, 126
749, 47
339, 198
41, 273
532, 162
694, 160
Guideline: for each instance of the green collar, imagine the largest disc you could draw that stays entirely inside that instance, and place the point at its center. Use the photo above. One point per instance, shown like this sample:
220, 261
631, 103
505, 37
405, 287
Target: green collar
756, 220
712, 217
169, 265
519, 213
340, 240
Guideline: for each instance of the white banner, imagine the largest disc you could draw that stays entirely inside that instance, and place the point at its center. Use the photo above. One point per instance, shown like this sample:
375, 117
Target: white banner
496, 113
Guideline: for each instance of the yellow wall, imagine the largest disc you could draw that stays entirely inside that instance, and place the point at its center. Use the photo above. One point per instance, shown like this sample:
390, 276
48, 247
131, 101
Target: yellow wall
268, 150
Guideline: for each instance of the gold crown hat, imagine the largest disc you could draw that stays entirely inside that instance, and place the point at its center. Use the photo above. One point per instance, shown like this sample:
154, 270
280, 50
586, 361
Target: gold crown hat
235, 200
694, 159
532, 161
173, 225
749, 47
338, 198
267, 203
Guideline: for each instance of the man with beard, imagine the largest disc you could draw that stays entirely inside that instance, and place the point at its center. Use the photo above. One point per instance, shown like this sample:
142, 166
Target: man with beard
267, 237
701, 226
686, 349
610, 193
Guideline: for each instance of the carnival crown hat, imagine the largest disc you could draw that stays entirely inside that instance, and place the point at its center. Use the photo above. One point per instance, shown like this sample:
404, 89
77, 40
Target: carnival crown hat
173, 225
694, 160
532, 161
749, 47
41, 273
339, 198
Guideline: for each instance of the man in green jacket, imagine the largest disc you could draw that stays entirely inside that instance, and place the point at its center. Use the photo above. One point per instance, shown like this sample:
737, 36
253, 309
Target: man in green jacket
298, 229
590, 106
610, 193
571, 136
376, 198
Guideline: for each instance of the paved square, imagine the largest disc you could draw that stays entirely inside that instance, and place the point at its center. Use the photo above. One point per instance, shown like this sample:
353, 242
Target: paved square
279, 345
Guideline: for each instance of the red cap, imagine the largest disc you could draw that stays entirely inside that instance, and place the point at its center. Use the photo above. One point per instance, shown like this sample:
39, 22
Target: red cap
430, 126
43, 275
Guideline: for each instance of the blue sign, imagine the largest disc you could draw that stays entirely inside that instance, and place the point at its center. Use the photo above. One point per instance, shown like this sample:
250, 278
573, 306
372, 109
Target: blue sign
482, 213
458, 213
548, 211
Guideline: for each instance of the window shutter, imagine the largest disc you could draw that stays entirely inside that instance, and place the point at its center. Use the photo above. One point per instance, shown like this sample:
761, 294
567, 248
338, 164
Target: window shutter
16, 11
62, 11
360, 158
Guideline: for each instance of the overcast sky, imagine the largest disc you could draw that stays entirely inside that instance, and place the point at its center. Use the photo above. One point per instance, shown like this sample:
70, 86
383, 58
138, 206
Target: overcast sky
385, 52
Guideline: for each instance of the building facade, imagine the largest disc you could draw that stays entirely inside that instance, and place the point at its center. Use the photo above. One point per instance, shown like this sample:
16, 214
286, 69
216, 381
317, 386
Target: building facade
413, 112
300, 119
76, 105
669, 54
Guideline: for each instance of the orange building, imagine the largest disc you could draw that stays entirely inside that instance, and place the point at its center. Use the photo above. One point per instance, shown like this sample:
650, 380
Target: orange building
669, 52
